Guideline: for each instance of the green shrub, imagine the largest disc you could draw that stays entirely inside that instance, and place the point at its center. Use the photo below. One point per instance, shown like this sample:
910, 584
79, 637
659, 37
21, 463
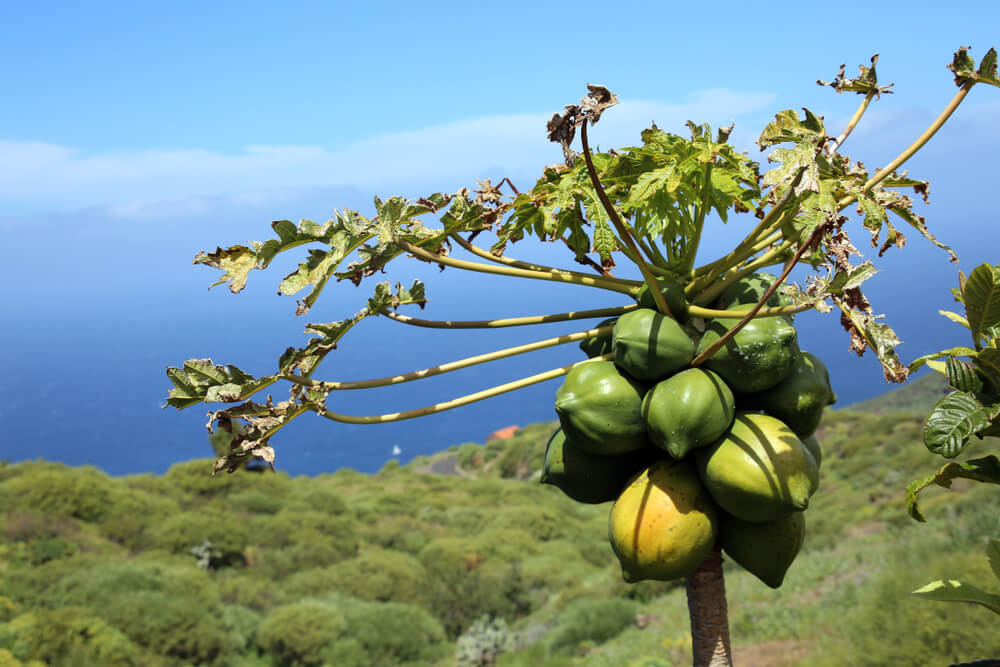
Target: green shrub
83, 493
590, 620
288, 527
303, 633
470, 455
255, 502
376, 575
393, 633
68, 637
241, 625
180, 532
318, 495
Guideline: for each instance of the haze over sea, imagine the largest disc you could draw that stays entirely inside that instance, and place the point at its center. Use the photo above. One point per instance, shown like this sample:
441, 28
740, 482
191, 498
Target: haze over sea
144, 134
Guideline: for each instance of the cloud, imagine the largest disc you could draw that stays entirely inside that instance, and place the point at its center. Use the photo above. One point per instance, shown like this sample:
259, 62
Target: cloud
38, 176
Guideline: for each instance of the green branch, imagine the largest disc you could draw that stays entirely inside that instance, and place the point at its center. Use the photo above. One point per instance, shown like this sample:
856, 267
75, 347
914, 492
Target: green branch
555, 275
451, 365
511, 321
457, 402
769, 258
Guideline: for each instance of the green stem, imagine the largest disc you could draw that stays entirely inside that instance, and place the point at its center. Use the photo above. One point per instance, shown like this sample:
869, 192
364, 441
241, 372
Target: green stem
699, 221
647, 275
452, 365
851, 124
479, 252
656, 270
711, 313
511, 321
792, 261
462, 400
652, 253
554, 275
769, 258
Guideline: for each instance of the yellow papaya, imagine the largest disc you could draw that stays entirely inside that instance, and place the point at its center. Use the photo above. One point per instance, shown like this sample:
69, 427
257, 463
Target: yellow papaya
600, 409
663, 524
758, 471
765, 550
650, 346
590, 478
691, 409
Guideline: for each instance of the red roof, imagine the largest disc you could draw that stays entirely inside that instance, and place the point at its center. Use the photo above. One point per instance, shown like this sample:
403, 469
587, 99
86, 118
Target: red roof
504, 433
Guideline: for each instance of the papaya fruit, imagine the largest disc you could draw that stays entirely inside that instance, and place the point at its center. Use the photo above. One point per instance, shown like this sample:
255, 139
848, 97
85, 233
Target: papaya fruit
812, 446
765, 550
663, 524
691, 409
598, 345
758, 471
590, 478
748, 290
799, 399
600, 409
673, 294
650, 346
761, 354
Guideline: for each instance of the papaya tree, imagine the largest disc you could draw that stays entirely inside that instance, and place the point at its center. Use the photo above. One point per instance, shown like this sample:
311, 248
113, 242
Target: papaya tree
694, 409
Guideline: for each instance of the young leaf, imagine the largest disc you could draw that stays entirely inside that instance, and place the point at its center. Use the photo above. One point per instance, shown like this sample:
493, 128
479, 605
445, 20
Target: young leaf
865, 84
986, 469
981, 295
951, 590
965, 70
955, 317
987, 361
956, 418
963, 377
953, 352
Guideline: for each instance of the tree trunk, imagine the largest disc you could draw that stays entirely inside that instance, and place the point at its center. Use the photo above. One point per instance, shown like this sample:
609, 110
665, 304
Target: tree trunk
706, 597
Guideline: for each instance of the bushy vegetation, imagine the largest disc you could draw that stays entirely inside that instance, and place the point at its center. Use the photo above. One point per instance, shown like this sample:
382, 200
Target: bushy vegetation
490, 567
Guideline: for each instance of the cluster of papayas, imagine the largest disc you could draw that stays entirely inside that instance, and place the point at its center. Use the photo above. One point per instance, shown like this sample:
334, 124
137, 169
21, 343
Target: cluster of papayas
722, 453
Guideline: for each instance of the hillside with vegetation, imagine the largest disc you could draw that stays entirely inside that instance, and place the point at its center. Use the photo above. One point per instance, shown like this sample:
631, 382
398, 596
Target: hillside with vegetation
464, 556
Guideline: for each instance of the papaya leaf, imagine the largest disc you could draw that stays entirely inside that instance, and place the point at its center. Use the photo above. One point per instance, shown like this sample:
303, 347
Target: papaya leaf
964, 68
963, 377
956, 418
981, 295
865, 84
867, 332
986, 469
788, 128
201, 381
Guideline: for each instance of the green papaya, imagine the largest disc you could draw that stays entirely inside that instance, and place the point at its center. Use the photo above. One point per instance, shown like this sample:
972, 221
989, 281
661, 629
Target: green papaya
600, 409
760, 355
799, 399
690, 409
598, 345
591, 478
748, 290
650, 346
673, 294
812, 445
765, 550
758, 471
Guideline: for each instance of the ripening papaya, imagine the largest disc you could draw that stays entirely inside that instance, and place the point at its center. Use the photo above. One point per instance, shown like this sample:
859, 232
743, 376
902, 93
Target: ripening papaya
691, 409
761, 354
650, 346
600, 409
591, 478
765, 550
758, 471
598, 345
663, 524
799, 399
673, 294
748, 290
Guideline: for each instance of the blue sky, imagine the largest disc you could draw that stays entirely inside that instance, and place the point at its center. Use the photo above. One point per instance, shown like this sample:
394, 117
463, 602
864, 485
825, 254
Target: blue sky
133, 135
138, 102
